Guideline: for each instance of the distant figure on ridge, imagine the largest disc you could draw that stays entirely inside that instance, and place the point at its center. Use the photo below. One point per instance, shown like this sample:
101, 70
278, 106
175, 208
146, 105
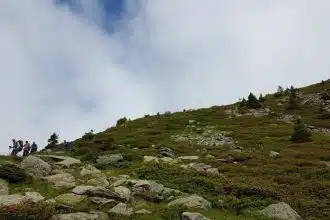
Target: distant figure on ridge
20, 146
34, 147
26, 148
14, 147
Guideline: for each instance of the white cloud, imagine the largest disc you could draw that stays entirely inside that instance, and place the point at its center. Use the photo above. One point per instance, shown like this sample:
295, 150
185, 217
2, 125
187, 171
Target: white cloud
171, 55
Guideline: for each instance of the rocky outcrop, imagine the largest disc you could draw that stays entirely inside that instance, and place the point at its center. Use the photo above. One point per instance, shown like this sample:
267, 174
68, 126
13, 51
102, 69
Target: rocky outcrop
13, 199
167, 152
34, 196
35, 167
89, 170
99, 181
281, 211
123, 192
193, 201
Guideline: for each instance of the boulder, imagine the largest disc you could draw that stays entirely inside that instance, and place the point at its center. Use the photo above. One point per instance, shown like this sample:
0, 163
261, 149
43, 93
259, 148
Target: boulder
89, 170
274, 154
109, 159
4, 189
35, 167
167, 152
34, 196
121, 209
69, 199
103, 201
95, 191
150, 159
213, 171
64, 160
281, 211
193, 216
98, 181
62, 181
123, 192
169, 160
13, 199
81, 216
193, 201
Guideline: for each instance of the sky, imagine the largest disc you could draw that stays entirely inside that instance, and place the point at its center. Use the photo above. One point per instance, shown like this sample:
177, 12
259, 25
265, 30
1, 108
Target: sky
68, 66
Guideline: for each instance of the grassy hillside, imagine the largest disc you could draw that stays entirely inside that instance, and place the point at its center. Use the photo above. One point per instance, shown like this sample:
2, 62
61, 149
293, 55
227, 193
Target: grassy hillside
258, 163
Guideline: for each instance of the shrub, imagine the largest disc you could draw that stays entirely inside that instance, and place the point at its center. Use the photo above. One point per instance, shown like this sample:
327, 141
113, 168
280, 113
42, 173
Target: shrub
293, 100
27, 211
300, 133
121, 121
13, 174
252, 101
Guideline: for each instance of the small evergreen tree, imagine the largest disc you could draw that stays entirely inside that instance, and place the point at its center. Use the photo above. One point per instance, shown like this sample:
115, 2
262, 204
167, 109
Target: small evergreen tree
300, 132
242, 103
121, 121
261, 98
293, 100
52, 141
280, 91
252, 101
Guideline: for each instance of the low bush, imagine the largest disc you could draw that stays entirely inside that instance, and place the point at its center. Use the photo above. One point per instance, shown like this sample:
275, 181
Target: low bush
27, 211
13, 174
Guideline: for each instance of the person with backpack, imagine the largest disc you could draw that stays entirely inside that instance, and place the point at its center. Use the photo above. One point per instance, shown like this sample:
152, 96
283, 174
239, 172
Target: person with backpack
34, 147
20, 146
26, 148
14, 147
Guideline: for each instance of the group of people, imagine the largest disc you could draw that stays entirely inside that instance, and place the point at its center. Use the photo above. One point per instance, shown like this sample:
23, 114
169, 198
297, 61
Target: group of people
27, 148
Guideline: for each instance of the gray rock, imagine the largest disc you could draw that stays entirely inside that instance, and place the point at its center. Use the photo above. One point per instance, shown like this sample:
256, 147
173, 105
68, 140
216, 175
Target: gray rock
65, 161
103, 201
98, 181
193, 216
69, 199
150, 159
95, 191
62, 181
193, 201
81, 216
13, 199
213, 171
35, 167
274, 154
123, 192
4, 189
281, 211
189, 158
89, 170
109, 159
121, 209
34, 196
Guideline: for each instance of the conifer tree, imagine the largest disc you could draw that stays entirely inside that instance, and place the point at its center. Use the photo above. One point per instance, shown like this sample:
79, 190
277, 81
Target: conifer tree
52, 141
300, 132
293, 99
252, 101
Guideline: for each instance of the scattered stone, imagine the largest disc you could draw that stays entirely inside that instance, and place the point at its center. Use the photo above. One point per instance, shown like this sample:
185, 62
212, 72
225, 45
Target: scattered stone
274, 154
50, 201
189, 158
123, 192
65, 161
121, 209
34, 196
167, 152
103, 201
89, 170
69, 199
169, 160
209, 156
62, 181
99, 181
193, 216
13, 199
119, 182
143, 212
280, 211
213, 171
109, 159
81, 216
35, 167
150, 159
193, 201
4, 189
95, 191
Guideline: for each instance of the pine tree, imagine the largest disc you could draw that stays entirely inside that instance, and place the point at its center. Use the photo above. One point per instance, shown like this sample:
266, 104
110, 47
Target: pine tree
242, 103
293, 99
300, 132
52, 141
261, 98
252, 101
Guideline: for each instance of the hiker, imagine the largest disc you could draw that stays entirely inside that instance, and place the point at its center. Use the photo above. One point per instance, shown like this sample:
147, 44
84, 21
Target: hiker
26, 148
20, 146
14, 147
34, 147
67, 144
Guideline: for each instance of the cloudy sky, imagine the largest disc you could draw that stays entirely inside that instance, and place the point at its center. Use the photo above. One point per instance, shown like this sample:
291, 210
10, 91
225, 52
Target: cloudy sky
73, 65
